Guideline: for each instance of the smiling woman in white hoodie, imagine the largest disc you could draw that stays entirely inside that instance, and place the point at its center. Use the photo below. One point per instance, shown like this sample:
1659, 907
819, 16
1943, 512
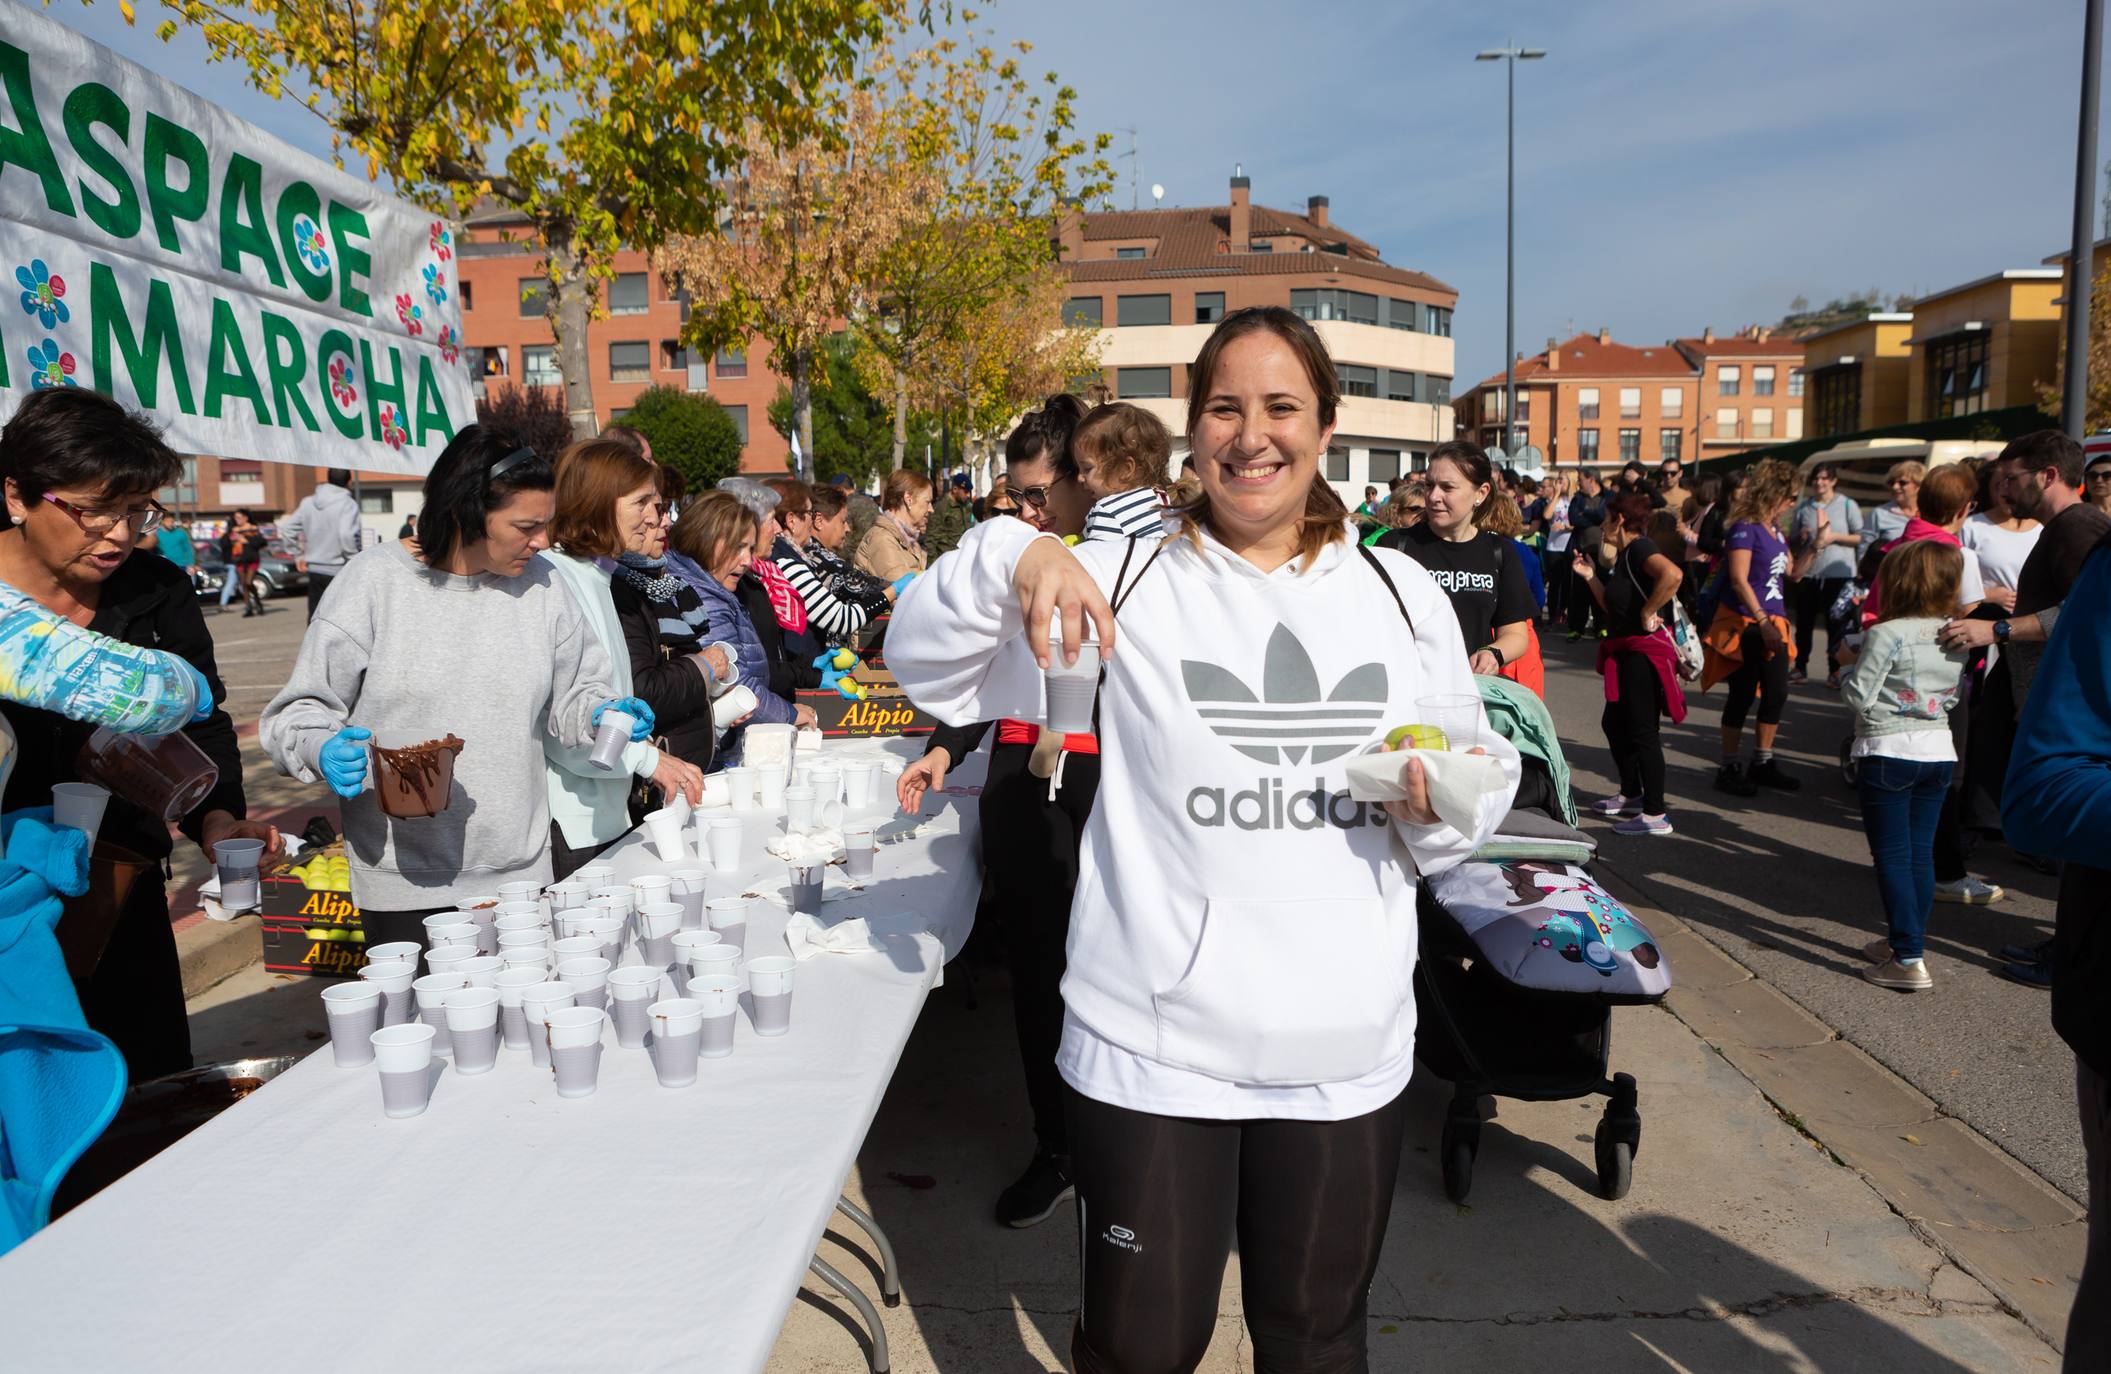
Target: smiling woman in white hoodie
1239, 1020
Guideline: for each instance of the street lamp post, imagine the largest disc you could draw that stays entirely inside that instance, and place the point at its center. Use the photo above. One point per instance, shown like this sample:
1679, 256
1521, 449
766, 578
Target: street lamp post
2081, 264
1510, 55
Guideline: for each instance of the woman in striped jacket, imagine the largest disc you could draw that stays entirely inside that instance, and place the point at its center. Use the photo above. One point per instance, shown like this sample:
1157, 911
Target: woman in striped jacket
839, 601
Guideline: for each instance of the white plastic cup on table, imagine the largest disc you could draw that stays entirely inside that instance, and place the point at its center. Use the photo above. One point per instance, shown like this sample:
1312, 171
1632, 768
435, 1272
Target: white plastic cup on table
403, 1057
630, 991
566, 895
520, 911
664, 828
729, 918
520, 948
617, 893
451, 958
574, 947
686, 943
770, 986
472, 1024
770, 780
591, 876
458, 935
534, 957
81, 805
588, 975
740, 787
566, 922
572, 1044
165, 775
798, 809
806, 886
722, 844
827, 784
608, 929
858, 778
1457, 714
536, 1003
658, 924
1071, 688
650, 888
523, 892
713, 961
482, 971
677, 1033
394, 980
486, 902
431, 992
803, 771
719, 996
437, 920
858, 843
686, 886
512, 1020
354, 1013
516, 921
610, 739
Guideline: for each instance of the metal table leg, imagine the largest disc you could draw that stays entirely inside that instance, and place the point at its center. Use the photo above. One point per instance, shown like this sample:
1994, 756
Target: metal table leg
890, 1272
827, 1274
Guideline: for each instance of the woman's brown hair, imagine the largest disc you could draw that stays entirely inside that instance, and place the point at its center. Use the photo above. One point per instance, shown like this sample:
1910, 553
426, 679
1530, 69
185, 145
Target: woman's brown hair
1769, 486
794, 497
1919, 579
592, 476
1499, 515
1128, 446
1325, 519
902, 484
829, 500
715, 520
1947, 492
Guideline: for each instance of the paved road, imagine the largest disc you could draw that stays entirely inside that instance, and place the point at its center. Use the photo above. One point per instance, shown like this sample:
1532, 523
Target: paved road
1782, 883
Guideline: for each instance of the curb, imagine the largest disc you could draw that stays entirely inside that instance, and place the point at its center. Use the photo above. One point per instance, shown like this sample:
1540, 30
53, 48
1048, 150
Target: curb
211, 952
1960, 1192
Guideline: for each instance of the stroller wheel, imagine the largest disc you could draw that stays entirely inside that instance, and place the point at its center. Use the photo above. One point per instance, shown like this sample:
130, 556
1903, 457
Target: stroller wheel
1457, 1150
1616, 1166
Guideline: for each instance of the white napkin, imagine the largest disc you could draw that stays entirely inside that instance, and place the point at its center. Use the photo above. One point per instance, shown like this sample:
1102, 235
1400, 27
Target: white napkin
1457, 782
853, 935
824, 845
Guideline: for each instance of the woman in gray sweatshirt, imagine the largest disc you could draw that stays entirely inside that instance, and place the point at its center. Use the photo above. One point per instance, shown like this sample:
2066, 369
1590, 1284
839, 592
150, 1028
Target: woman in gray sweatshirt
465, 632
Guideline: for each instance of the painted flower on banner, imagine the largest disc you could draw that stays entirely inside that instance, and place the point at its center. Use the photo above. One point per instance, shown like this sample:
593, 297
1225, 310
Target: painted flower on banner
42, 294
435, 284
411, 314
392, 431
442, 241
314, 248
343, 380
49, 366
450, 344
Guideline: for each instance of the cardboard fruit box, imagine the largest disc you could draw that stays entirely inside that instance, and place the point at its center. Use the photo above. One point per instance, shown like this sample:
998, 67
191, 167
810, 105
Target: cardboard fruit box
309, 930
885, 710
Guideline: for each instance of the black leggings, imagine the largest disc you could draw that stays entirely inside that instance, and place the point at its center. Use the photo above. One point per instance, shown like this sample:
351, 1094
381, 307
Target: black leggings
1761, 675
1160, 1200
1814, 598
1631, 730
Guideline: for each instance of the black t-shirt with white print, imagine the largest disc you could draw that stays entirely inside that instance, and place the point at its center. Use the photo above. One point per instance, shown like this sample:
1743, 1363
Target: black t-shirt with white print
1483, 576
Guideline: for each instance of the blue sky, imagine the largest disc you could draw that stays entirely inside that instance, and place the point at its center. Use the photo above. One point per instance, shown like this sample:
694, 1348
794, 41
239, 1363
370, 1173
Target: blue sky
1680, 163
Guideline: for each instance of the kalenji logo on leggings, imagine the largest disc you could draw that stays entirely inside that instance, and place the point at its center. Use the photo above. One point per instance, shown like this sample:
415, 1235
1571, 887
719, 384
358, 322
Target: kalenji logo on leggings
1123, 1237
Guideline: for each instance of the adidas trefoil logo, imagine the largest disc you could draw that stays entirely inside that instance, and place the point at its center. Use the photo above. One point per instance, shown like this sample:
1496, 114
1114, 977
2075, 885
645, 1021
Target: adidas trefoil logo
1290, 716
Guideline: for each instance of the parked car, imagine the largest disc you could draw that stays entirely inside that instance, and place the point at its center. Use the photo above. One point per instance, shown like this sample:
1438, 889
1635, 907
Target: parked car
276, 574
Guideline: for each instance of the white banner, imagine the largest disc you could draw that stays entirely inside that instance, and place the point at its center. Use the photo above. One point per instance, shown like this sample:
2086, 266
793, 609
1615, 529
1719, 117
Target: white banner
256, 301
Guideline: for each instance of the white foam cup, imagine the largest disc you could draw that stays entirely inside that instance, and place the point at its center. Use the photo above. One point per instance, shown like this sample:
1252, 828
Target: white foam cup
482, 971
472, 1023
827, 784
81, 805
858, 775
729, 917
740, 787
664, 829
718, 994
770, 779
611, 737
394, 980
354, 1013
572, 1038
403, 1057
736, 702
770, 985
536, 1004
798, 809
722, 843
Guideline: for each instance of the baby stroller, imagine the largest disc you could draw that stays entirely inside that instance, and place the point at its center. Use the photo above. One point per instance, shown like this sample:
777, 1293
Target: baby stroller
1523, 956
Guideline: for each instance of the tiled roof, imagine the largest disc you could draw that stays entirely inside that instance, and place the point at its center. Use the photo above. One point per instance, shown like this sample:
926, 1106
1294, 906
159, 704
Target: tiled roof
1316, 265
1780, 346
1584, 357
1203, 225
1196, 242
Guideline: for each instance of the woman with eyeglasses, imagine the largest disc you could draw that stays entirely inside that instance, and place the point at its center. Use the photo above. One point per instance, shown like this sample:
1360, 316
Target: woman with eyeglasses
80, 472
1888, 522
466, 633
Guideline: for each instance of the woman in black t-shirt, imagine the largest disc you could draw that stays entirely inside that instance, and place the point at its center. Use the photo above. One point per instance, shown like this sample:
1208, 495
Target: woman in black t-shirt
1480, 571
1638, 661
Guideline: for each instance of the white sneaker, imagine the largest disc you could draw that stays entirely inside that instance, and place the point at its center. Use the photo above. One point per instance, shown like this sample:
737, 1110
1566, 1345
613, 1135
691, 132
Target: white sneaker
1617, 805
1970, 891
1900, 977
1644, 825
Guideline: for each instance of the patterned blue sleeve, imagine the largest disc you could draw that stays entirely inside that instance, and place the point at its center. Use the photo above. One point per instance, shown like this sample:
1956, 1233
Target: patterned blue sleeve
51, 663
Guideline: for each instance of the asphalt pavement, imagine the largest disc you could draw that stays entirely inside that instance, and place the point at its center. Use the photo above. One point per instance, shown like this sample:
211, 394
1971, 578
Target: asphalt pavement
1782, 883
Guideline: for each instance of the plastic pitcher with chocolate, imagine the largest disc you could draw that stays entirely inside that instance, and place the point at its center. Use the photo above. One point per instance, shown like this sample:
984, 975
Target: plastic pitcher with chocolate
165, 774
413, 772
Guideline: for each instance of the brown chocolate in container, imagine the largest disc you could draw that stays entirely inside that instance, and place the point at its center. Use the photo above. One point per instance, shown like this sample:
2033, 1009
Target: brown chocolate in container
415, 780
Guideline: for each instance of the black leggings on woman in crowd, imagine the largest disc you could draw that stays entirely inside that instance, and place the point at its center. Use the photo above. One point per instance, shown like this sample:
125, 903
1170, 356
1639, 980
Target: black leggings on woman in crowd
1814, 600
1759, 675
1160, 1200
1631, 730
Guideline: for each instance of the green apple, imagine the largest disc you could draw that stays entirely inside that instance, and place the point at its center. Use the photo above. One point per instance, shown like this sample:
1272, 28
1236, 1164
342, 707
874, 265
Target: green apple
1418, 737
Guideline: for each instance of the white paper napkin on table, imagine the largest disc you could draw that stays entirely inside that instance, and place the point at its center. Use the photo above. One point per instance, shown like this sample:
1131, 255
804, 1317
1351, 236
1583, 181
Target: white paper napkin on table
1457, 782
819, 846
808, 936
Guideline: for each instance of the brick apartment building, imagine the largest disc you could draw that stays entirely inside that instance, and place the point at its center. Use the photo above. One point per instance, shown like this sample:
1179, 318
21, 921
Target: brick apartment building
1157, 281
1750, 390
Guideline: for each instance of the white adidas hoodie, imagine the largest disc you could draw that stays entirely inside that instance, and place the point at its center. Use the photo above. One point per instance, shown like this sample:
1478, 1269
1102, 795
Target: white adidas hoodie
1243, 933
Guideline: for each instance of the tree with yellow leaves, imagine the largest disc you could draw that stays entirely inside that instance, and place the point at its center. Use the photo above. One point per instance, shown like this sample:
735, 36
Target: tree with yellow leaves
2052, 399
604, 125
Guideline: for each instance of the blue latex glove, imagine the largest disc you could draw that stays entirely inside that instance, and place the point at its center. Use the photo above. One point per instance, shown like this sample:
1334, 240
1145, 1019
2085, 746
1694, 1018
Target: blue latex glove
638, 711
830, 674
343, 760
205, 693
903, 581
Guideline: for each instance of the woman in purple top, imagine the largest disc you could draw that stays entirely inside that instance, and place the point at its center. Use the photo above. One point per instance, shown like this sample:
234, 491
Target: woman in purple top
1758, 568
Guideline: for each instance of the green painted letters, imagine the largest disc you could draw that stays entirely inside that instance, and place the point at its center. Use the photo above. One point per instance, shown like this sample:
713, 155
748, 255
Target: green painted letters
142, 350
25, 144
93, 103
242, 231
165, 202
286, 358
227, 368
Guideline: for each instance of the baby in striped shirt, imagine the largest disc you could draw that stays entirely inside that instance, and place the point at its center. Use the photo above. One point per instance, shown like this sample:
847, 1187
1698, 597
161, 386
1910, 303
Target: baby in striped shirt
1121, 452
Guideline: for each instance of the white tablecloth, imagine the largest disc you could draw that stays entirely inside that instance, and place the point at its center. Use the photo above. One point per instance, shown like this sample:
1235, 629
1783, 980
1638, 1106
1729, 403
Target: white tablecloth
506, 1229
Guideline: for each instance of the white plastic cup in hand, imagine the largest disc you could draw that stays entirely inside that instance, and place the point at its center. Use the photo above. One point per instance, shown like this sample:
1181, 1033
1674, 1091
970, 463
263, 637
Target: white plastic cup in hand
717, 792
664, 828
482, 971
686, 943
472, 1024
687, 887
81, 805
1071, 688
403, 1057
572, 1037
718, 994
630, 991
729, 918
722, 843
806, 887
610, 740
510, 985
858, 844
431, 992
858, 777
237, 860
354, 1013
737, 701
394, 980
588, 976
1457, 714
536, 1004
740, 787
677, 1030
770, 985
770, 780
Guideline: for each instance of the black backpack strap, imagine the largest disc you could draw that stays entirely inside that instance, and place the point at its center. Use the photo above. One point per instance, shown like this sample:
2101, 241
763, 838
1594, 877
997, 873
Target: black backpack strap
1387, 578
1121, 592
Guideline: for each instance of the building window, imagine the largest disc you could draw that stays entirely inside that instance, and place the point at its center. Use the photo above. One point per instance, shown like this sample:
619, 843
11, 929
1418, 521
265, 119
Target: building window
1670, 443
1264, 246
1630, 445
1358, 307
245, 469
1763, 422
1586, 403
628, 294
740, 421
1795, 378
1439, 393
630, 362
1385, 465
1440, 321
673, 357
1418, 462
1762, 380
1138, 310
1209, 307
1127, 254
1726, 423
1081, 311
538, 366
1586, 445
1836, 400
1630, 403
1143, 383
1671, 402
462, 289
534, 297
1337, 465
1728, 380
486, 362
731, 364
1399, 386
1957, 374
1402, 314
1357, 380
377, 503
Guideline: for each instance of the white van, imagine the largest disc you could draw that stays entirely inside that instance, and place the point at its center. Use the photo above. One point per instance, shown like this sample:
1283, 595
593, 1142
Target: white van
1863, 467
